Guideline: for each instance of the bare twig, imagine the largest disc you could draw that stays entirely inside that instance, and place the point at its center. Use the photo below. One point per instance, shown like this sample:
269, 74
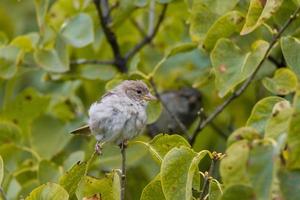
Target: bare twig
95, 62
244, 86
103, 13
207, 176
147, 39
202, 117
123, 174
138, 27
172, 115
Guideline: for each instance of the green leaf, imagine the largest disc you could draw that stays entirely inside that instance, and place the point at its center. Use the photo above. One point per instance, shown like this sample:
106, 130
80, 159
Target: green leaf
204, 14
280, 120
225, 26
10, 132
258, 13
161, 144
177, 49
73, 158
111, 158
215, 190
49, 191
50, 132
153, 111
293, 140
28, 105
201, 19
10, 57
48, 172
283, 82
153, 191
219, 7
71, 179
260, 167
95, 72
233, 165
238, 192
232, 65
243, 133
289, 184
177, 172
27, 42
79, 31
290, 46
261, 113
108, 187
49, 59
1, 170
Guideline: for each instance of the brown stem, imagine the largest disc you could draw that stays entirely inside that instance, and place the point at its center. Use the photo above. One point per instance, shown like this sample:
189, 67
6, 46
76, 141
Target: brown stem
123, 173
172, 115
244, 86
104, 16
206, 180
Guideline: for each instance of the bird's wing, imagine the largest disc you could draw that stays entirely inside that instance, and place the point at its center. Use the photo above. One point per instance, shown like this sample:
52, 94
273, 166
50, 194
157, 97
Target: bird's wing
84, 130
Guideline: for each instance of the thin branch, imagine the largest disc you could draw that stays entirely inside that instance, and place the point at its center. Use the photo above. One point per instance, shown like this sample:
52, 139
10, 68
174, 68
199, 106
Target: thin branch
94, 62
206, 179
244, 86
138, 27
103, 13
172, 115
147, 39
123, 174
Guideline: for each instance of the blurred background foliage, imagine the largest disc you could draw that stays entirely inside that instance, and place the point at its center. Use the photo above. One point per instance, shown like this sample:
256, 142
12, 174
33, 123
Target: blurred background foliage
48, 81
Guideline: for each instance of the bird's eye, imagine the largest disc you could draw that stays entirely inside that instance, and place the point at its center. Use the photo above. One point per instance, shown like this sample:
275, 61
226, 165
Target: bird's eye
139, 91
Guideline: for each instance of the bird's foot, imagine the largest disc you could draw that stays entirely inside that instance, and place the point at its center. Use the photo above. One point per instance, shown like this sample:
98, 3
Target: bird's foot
98, 148
123, 144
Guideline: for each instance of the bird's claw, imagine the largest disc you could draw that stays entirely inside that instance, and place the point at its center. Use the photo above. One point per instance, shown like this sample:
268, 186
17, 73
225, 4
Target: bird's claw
98, 148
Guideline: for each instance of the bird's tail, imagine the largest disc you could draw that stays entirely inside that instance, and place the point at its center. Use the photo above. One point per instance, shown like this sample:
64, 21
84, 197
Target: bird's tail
84, 130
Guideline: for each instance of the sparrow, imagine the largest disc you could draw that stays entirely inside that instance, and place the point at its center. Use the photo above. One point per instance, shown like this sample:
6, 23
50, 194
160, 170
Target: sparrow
120, 114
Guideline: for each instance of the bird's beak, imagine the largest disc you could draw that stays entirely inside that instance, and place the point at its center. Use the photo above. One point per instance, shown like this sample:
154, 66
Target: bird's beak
150, 97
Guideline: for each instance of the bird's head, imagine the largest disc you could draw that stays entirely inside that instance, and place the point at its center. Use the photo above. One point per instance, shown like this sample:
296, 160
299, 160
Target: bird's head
136, 90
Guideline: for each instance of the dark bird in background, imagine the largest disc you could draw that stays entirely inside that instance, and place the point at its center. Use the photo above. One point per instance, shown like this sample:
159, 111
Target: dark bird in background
184, 103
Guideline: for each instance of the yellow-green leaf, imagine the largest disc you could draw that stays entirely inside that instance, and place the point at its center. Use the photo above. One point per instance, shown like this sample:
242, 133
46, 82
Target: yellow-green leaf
261, 113
293, 139
108, 187
79, 31
283, 82
71, 179
259, 11
177, 171
223, 27
48, 191
153, 191
290, 46
232, 65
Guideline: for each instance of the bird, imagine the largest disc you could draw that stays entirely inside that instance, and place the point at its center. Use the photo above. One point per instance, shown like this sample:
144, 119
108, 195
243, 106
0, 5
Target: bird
119, 115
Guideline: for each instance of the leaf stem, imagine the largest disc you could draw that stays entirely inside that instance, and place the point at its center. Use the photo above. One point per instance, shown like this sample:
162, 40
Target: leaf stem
245, 85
